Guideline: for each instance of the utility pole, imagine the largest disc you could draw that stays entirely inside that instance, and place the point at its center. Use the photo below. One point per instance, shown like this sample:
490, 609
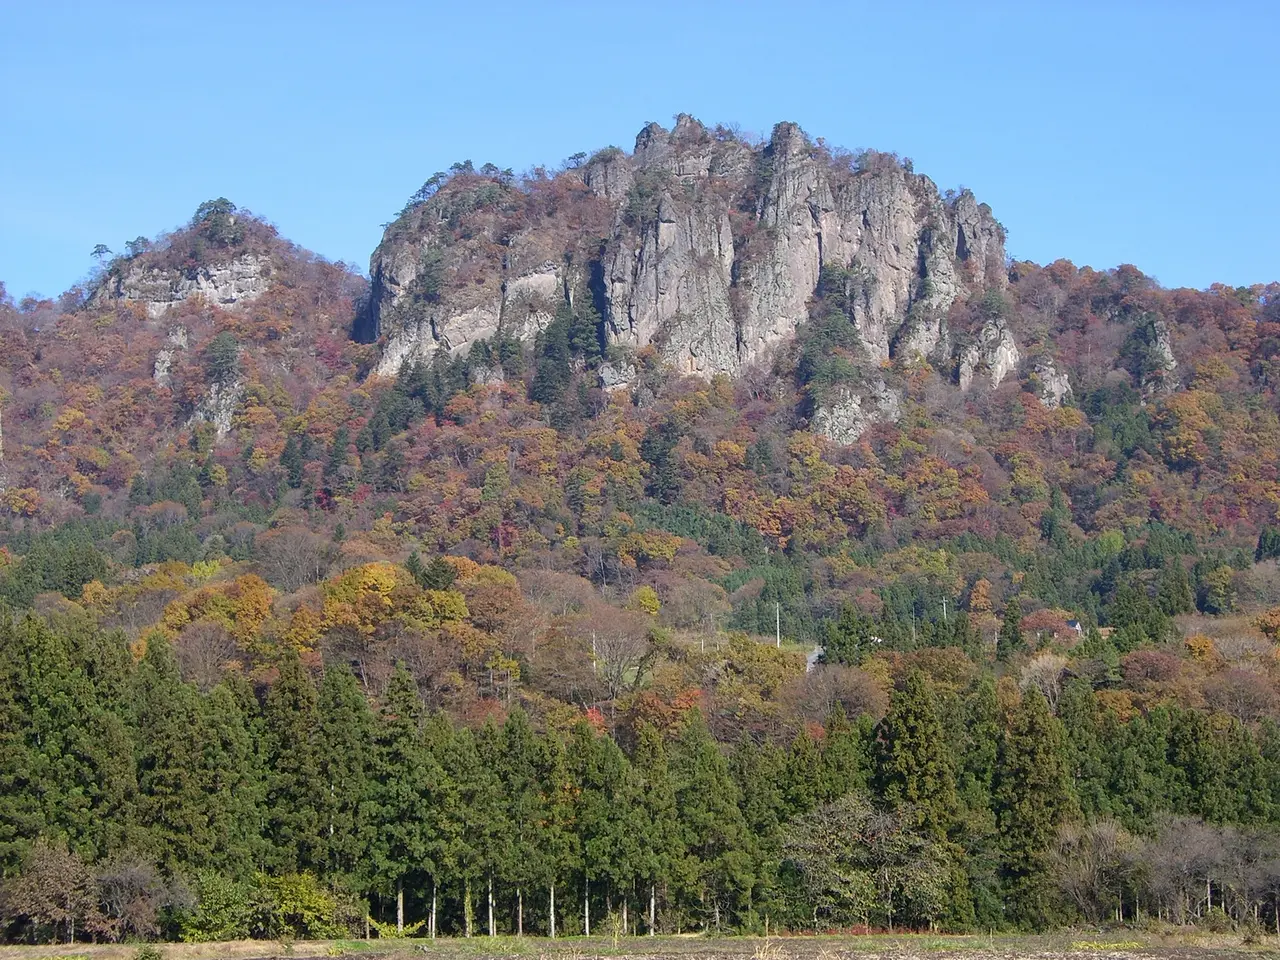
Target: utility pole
777, 624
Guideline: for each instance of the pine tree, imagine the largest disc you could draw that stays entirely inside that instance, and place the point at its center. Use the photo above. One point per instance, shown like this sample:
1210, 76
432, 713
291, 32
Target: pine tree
522, 866
1010, 641
291, 461
174, 785
979, 756
760, 772
802, 775
1268, 544
1033, 796
65, 764
1140, 779
344, 743
236, 785
338, 455
1085, 764
978, 831
1199, 767
602, 816
847, 758
445, 756
484, 829
398, 811
916, 773
1173, 593
712, 826
662, 847
293, 785
556, 842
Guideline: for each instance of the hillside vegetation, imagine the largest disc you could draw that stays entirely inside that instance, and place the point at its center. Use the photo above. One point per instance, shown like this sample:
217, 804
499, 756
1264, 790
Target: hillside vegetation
980, 635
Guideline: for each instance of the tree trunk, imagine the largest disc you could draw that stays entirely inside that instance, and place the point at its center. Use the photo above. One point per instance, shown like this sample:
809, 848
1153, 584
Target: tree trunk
491, 904
586, 907
653, 909
519, 912
433, 908
468, 914
552, 912
625, 932
400, 906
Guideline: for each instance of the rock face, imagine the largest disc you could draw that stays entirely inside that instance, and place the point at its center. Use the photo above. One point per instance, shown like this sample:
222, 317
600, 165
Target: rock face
1164, 363
994, 351
1051, 385
175, 342
240, 279
699, 244
847, 419
219, 406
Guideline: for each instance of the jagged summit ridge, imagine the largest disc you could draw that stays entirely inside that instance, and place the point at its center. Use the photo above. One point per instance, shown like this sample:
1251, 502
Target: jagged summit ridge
699, 244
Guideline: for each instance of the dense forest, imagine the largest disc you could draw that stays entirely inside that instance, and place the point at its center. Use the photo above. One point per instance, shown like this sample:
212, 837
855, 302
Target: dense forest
290, 649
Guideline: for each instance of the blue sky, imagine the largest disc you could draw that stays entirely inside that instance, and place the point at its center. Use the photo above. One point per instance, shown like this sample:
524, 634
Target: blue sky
1106, 133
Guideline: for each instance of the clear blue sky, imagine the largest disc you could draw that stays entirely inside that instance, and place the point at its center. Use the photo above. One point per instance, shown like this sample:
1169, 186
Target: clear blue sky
1140, 132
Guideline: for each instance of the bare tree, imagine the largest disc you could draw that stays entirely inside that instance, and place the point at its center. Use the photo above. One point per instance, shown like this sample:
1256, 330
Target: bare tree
1181, 862
814, 695
1243, 694
54, 891
292, 557
132, 893
620, 644
205, 649
1045, 673
1094, 864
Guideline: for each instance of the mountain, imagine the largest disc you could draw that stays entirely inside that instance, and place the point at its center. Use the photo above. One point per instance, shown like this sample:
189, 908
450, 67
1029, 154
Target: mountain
308, 581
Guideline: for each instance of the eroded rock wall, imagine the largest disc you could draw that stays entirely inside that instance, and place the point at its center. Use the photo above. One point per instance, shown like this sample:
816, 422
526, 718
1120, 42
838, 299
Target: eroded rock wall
711, 250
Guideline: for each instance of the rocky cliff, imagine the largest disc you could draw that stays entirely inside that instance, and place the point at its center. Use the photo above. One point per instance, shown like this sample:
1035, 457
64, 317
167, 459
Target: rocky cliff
224, 254
236, 280
699, 244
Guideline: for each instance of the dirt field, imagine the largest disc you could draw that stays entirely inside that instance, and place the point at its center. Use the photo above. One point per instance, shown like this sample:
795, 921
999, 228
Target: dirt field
1062, 946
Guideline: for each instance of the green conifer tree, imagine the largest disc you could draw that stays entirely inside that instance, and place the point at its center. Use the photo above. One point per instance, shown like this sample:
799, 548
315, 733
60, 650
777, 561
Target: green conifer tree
1033, 797
916, 771
293, 785
662, 847
400, 806
174, 783
803, 774
1011, 640
344, 744
720, 874
848, 759
236, 788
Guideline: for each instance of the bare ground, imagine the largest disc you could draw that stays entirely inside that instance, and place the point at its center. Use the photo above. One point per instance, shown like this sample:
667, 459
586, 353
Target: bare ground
1070, 945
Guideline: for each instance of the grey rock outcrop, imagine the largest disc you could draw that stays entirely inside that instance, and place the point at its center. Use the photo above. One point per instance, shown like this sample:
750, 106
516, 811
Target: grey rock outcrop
1161, 354
517, 295
220, 406
1052, 386
852, 412
241, 279
614, 377
994, 350
712, 249
175, 342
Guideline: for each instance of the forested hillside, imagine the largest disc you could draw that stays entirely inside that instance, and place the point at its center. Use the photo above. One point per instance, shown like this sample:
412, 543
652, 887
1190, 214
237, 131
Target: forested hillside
453, 601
